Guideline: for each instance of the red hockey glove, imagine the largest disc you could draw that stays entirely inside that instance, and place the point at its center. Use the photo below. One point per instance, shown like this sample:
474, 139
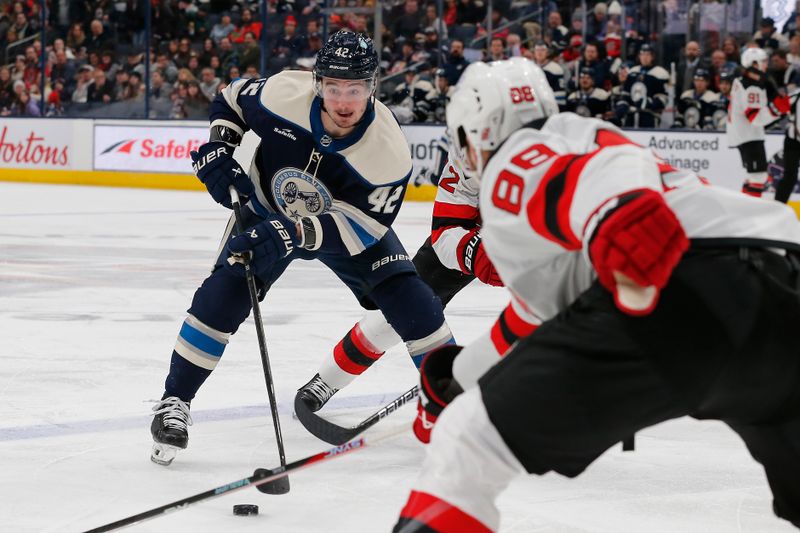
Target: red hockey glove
635, 248
781, 104
473, 259
437, 389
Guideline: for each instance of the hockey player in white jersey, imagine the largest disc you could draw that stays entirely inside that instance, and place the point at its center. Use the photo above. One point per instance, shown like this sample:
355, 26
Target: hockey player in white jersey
657, 296
449, 260
755, 103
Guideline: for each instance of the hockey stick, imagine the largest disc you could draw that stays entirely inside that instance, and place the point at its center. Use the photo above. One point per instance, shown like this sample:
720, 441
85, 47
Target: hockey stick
334, 434
629, 444
281, 485
259, 478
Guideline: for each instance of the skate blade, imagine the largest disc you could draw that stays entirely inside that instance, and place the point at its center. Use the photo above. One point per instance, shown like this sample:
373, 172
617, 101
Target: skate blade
163, 454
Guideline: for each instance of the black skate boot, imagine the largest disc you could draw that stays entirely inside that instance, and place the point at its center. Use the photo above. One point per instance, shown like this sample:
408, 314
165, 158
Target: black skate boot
169, 429
316, 393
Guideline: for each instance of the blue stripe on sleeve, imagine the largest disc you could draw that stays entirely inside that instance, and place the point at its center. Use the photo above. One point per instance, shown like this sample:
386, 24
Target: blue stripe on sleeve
366, 239
201, 341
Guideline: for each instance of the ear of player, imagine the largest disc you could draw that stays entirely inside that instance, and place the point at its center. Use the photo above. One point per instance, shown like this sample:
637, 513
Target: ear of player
214, 165
437, 389
263, 244
642, 239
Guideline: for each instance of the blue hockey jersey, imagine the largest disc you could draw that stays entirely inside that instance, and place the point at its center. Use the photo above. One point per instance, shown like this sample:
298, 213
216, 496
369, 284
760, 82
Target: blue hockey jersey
351, 188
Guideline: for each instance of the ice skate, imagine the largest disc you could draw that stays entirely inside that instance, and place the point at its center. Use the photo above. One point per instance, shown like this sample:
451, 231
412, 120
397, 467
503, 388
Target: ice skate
169, 429
316, 393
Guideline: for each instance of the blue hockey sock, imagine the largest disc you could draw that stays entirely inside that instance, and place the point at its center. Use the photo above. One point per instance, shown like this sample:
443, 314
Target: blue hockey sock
197, 352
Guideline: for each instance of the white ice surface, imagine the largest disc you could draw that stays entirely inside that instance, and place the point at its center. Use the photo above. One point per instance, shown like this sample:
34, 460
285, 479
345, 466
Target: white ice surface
94, 283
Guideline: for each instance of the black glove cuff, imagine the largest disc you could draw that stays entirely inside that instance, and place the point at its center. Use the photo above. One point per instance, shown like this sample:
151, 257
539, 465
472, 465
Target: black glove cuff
437, 372
310, 234
225, 134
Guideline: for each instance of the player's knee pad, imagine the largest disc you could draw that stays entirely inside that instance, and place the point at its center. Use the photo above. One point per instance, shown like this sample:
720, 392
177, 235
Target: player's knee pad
409, 306
467, 462
415, 313
222, 302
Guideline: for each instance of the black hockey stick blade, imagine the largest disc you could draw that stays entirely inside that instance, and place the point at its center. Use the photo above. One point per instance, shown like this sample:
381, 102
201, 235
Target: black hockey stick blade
629, 444
275, 487
335, 434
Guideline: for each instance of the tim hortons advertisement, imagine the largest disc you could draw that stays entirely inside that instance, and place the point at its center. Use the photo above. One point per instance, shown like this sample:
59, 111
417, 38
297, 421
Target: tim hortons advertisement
146, 149
37, 144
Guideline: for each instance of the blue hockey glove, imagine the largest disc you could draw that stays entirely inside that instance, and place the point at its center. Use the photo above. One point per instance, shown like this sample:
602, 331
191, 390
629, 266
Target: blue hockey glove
263, 245
214, 165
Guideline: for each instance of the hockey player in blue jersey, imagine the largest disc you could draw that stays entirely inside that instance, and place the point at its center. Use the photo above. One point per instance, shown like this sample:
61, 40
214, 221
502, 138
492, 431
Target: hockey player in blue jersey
325, 183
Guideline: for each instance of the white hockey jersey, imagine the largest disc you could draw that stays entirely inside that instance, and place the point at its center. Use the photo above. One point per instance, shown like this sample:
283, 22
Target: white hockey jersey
455, 214
748, 112
542, 195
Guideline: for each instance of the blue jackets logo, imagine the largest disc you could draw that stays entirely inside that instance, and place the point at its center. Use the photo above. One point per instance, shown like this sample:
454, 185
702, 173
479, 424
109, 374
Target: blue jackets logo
298, 194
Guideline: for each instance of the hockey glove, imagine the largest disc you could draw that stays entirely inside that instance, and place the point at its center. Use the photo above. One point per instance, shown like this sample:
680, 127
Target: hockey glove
473, 259
214, 165
437, 388
635, 248
262, 245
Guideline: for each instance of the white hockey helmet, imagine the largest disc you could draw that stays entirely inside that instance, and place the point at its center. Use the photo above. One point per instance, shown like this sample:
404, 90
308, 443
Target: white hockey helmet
492, 101
755, 55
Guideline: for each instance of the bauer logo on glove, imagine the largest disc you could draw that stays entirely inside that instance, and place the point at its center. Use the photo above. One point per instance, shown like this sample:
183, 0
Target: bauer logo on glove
214, 165
261, 245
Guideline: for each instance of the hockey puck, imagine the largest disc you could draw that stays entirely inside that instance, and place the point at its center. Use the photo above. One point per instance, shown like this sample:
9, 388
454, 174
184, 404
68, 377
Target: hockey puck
245, 509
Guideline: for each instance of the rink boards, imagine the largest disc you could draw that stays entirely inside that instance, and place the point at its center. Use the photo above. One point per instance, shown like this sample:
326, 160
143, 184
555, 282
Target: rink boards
155, 154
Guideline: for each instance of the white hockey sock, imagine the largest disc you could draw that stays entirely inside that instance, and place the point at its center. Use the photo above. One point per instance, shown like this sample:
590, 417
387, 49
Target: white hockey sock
364, 344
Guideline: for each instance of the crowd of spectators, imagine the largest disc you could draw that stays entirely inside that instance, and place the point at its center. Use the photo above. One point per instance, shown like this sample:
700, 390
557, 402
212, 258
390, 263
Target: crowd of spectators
617, 60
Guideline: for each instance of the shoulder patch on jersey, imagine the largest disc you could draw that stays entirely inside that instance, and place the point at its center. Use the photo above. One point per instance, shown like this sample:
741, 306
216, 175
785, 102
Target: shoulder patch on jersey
288, 95
710, 96
554, 68
382, 155
660, 73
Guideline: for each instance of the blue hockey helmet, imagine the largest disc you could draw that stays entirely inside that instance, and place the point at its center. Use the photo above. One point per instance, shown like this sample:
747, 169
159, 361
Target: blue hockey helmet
347, 56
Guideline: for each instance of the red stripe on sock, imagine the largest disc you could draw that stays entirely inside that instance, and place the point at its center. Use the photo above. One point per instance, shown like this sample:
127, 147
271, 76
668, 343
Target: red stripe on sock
439, 515
498, 339
516, 324
345, 363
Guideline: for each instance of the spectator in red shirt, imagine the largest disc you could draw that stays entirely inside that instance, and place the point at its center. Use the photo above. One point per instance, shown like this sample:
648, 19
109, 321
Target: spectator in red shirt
246, 24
